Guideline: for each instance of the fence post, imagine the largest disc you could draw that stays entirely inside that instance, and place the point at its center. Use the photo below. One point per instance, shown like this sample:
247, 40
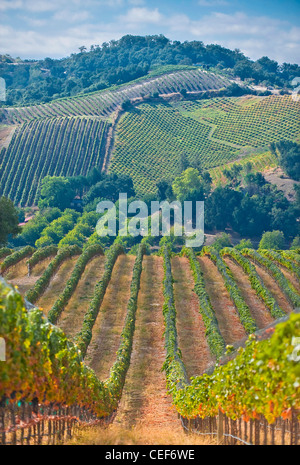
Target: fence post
220, 429
256, 432
2, 425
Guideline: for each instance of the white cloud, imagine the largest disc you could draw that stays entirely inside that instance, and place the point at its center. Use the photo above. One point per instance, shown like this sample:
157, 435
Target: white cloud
71, 17
42, 6
33, 44
142, 15
10, 4
254, 36
34, 22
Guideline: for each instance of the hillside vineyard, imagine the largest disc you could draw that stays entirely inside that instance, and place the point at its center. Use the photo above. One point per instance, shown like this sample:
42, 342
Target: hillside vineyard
68, 137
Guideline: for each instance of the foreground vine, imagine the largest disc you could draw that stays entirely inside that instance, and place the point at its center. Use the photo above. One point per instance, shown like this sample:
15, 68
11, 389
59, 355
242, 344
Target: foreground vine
173, 365
83, 338
286, 287
263, 379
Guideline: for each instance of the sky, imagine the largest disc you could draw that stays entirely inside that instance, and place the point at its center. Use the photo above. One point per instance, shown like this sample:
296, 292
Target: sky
37, 29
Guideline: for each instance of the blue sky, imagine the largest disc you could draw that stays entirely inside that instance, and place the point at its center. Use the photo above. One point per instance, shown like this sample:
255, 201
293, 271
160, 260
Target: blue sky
56, 28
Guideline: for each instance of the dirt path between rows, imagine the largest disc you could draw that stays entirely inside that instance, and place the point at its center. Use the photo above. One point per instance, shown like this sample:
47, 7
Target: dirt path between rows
72, 317
105, 341
273, 287
145, 399
257, 308
196, 355
230, 326
57, 285
145, 414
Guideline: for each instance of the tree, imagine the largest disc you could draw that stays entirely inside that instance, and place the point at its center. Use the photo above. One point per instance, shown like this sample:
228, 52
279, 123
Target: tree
219, 207
183, 162
9, 220
164, 189
57, 192
126, 105
222, 241
272, 240
233, 174
295, 245
244, 244
190, 186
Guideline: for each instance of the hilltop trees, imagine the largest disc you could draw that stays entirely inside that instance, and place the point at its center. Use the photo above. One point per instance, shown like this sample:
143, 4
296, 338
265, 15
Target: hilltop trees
123, 60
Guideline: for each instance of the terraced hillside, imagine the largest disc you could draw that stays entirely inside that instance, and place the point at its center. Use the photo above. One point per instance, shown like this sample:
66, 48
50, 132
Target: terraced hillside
116, 308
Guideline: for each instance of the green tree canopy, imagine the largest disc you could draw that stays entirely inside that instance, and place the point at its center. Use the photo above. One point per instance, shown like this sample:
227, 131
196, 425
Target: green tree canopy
222, 241
56, 191
272, 240
9, 220
244, 244
190, 185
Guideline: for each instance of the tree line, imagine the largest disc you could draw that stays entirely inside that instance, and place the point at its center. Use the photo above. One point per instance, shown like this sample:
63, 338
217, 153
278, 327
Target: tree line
248, 204
120, 61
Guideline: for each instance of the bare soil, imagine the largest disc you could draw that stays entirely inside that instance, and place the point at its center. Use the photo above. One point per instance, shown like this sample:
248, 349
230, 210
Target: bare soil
105, 341
145, 414
257, 308
72, 317
190, 326
282, 182
6, 133
17, 272
230, 326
